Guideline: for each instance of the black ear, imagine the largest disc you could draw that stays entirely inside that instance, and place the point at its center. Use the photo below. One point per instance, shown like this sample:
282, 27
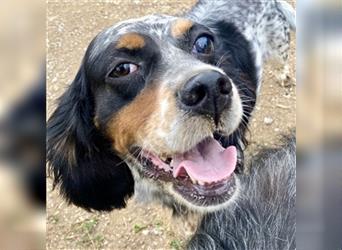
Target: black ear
81, 158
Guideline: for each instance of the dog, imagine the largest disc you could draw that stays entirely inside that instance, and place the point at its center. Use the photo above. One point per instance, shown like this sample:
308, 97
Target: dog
160, 106
264, 216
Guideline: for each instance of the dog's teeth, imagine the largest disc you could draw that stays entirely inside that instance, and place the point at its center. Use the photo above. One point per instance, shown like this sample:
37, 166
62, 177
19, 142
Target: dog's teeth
202, 183
193, 180
166, 159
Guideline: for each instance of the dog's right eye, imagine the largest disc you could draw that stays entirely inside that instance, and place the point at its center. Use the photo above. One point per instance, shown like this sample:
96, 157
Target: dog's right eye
123, 69
203, 45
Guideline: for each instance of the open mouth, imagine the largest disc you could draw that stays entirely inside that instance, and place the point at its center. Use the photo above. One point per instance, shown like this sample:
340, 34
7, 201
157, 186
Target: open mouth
203, 175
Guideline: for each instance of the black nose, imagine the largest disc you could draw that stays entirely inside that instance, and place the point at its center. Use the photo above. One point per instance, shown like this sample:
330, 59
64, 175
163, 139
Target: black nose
207, 93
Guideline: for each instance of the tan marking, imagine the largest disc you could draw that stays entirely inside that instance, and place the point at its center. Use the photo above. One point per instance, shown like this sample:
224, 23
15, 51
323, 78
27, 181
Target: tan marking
130, 123
160, 123
154, 122
131, 41
180, 27
168, 130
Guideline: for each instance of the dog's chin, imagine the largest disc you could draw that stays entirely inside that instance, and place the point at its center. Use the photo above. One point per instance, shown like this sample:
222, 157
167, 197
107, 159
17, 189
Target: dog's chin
203, 178
208, 198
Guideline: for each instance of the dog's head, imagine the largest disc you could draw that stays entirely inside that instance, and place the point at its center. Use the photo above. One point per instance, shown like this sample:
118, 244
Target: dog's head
163, 99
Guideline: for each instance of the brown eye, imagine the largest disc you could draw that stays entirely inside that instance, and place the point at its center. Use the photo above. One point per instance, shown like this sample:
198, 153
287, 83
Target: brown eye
203, 45
123, 69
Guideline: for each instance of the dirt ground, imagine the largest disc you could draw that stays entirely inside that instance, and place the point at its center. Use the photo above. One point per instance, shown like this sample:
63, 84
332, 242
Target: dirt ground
71, 26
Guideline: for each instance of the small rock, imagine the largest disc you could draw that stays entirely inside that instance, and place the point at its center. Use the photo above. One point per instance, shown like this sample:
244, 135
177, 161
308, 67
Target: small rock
156, 232
268, 120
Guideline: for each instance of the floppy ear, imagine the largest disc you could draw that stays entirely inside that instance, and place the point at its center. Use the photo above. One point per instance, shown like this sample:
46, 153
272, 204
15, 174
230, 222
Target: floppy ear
81, 158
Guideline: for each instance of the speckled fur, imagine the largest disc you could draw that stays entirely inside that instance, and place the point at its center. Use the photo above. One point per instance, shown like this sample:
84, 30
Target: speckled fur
82, 153
265, 24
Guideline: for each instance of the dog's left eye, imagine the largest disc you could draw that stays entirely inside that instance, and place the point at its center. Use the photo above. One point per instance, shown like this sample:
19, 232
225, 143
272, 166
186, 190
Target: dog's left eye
123, 69
203, 45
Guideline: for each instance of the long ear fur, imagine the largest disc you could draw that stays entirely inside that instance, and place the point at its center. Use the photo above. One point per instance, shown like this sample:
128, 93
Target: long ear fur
81, 159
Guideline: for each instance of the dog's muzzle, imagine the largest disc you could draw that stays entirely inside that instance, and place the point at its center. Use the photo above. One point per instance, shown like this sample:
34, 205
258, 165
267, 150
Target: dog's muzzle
207, 93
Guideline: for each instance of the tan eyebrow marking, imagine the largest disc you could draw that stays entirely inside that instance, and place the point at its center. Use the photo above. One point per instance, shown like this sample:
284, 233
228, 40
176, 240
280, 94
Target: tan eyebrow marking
180, 27
131, 41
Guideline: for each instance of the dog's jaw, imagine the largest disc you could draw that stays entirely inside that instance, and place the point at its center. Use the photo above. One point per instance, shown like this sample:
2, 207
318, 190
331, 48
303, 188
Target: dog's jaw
149, 190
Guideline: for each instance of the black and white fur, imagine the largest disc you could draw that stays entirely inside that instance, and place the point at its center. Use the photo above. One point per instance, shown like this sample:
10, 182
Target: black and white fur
265, 24
82, 160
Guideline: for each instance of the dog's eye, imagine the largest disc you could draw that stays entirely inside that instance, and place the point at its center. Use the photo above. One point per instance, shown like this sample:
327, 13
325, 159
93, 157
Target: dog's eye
123, 69
203, 45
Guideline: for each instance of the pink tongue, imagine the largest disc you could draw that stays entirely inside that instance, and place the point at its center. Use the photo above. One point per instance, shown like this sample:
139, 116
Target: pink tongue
207, 162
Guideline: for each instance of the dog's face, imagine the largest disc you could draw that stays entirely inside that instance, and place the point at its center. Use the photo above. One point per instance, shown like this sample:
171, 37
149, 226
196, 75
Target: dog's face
172, 97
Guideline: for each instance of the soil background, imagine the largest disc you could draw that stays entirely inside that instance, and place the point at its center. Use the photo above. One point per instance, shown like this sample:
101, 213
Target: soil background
71, 25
